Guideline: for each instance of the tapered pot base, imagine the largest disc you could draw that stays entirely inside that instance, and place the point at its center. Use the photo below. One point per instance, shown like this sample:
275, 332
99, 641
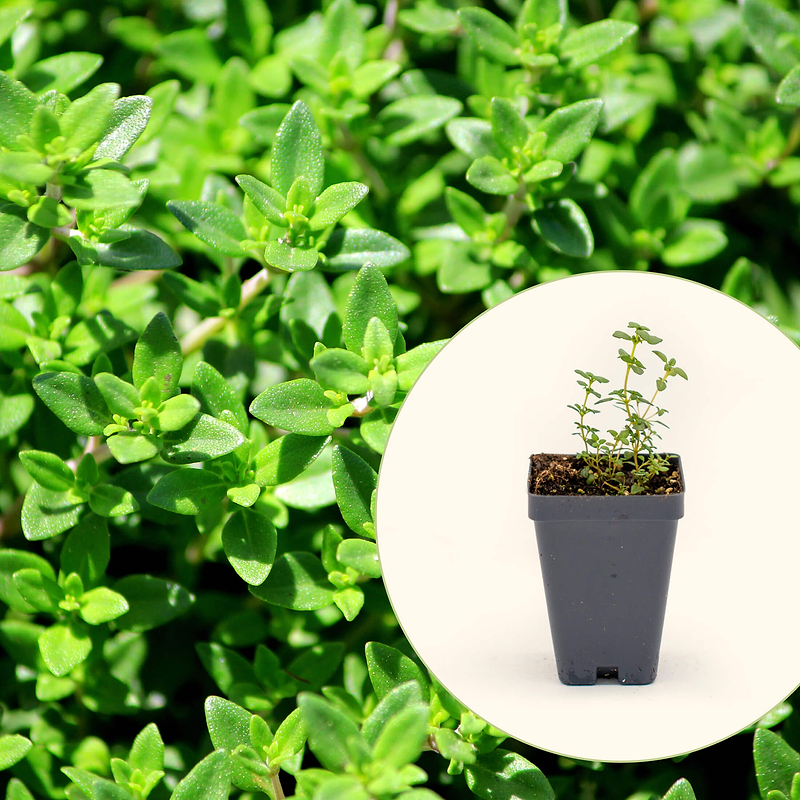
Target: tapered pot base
606, 586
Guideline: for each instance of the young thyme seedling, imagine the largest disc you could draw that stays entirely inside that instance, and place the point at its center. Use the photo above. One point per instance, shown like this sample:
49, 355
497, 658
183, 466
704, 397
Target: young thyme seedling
626, 462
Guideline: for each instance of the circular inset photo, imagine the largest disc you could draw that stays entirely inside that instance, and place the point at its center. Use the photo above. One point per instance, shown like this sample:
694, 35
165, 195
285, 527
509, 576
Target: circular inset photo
587, 516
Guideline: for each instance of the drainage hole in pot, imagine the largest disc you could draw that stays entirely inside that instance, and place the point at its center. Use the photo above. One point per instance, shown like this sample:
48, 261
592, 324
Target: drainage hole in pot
607, 674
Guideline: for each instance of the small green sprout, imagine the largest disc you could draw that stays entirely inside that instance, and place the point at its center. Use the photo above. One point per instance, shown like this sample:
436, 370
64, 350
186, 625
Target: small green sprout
626, 462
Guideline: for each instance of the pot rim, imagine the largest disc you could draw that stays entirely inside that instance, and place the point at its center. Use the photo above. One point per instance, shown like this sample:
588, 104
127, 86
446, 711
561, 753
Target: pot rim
573, 507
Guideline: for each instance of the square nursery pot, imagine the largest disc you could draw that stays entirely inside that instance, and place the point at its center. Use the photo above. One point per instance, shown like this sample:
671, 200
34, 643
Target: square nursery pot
606, 562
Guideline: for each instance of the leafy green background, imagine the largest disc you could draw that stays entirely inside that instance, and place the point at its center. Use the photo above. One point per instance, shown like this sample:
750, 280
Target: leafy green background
232, 235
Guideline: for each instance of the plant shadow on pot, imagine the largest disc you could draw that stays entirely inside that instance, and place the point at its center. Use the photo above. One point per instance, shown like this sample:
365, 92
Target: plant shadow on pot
606, 562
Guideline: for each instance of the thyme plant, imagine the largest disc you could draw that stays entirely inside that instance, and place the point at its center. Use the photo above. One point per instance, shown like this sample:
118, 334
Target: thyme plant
627, 462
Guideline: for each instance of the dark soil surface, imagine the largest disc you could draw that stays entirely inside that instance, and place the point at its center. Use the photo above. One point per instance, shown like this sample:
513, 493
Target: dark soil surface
560, 474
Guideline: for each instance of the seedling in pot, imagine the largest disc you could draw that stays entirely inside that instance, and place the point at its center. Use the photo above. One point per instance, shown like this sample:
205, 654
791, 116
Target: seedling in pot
625, 461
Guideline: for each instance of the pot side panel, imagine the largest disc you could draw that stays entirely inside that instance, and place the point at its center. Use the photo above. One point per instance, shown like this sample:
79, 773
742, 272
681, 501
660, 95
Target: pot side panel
606, 585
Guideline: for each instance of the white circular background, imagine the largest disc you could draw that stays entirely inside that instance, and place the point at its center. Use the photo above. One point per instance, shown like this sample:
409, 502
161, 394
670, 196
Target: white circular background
459, 553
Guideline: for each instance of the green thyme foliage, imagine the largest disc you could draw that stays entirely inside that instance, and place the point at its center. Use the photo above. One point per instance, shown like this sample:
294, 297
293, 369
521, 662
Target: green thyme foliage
627, 461
232, 237
61, 175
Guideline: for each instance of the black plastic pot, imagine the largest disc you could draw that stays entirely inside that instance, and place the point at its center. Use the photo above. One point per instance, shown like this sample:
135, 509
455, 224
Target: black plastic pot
606, 563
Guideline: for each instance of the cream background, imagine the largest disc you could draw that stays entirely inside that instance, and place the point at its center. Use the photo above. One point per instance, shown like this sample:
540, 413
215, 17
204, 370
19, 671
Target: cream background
459, 553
